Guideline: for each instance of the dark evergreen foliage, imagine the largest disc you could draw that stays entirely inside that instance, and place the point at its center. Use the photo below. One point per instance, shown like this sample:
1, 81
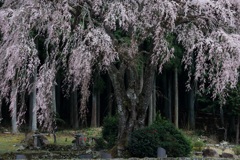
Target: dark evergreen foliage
144, 142
110, 130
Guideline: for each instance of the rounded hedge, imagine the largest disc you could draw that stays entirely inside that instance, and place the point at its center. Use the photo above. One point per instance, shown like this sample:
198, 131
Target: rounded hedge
144, 142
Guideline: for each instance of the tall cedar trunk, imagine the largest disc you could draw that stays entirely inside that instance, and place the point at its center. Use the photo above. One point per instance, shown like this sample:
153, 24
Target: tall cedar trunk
98, 109
165, 94
222, 116
176, 97
32, 105
150, 111
74, 120
14, 108
32, 101
152, 104
72, 110
127, 98
237, 130
191, 110
167, 91
94, 108
54, 106
0, 110
110, 97
58, 93
54, 110
75, 110
169, 95
141, 80
154, 99
224, 126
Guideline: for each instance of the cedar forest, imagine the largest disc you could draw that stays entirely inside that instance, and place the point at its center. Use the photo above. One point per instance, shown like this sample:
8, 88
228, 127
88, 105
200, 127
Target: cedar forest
80, 60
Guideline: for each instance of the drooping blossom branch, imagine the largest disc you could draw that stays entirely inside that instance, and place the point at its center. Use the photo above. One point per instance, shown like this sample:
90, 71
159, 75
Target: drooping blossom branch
79, 35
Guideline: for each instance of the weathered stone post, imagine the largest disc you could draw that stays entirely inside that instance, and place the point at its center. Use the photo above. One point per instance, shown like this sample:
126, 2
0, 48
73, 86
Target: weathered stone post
36, 141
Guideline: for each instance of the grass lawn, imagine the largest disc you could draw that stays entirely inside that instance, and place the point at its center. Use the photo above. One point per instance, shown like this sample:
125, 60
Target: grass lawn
9, 142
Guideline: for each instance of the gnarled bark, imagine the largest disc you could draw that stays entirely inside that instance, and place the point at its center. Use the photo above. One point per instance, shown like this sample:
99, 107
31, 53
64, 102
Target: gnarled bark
131, 105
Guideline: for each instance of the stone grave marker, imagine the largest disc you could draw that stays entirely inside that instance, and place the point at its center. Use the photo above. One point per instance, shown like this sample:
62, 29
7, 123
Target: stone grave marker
105, 155
21, 156
161, 152
86, 156
36, 141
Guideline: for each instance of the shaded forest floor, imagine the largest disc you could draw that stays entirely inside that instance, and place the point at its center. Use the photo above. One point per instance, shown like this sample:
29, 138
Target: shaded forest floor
11, 144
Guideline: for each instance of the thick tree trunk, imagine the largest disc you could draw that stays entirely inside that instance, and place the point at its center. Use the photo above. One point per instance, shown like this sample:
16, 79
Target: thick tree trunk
176, 97
32, 105
237, 130
117, 78
131, 105
13, 107
144, 98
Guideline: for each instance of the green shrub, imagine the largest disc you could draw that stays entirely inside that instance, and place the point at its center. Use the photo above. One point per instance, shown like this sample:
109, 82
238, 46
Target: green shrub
100, 144
236, 150
144, 142
110, 130
198, 145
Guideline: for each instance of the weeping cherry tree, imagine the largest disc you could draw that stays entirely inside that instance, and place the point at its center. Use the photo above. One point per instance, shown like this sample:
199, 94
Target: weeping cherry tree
126, 39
